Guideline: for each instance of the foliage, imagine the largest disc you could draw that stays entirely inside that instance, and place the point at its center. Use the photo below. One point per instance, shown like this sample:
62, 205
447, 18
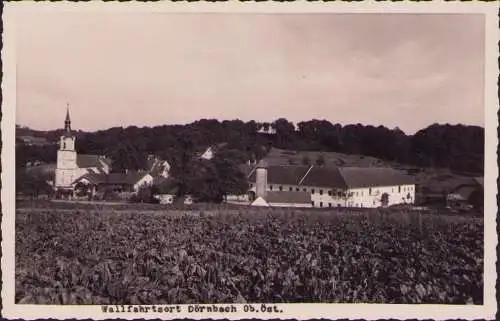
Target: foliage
145, 194
458, 147
76, 256
320, 160
306, 160
32, 185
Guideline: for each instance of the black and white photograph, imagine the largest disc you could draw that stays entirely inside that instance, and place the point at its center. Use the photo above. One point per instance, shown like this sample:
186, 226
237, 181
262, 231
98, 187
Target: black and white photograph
247, 164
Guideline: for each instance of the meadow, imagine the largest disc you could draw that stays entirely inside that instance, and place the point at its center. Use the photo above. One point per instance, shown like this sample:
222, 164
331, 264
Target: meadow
83, 254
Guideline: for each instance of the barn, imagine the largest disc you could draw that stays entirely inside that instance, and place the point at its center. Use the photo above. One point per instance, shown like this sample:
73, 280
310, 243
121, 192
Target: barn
329, 186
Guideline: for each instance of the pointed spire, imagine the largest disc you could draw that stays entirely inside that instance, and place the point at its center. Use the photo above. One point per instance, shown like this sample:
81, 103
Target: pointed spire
67, 122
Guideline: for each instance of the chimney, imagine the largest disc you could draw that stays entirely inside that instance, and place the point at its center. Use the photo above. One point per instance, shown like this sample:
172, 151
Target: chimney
261, 179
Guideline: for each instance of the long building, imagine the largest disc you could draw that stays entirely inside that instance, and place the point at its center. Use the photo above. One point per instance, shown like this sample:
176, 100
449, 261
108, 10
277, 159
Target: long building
333, 186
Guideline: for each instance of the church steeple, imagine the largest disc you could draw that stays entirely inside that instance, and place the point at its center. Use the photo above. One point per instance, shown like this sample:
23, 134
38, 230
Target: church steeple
67, 122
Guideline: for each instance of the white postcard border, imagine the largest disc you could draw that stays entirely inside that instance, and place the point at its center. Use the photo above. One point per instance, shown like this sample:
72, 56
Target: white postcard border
290, 311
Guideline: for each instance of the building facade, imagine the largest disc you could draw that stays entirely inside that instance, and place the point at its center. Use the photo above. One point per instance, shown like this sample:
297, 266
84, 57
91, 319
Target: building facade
334, 186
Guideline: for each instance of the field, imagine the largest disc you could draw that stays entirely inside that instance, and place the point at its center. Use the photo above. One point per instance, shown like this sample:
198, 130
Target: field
123, 255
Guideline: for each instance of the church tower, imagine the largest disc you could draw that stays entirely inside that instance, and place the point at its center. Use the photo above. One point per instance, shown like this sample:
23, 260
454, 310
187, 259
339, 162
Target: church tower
66, 157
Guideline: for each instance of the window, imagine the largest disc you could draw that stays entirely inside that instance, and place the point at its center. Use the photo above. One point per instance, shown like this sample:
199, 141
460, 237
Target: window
361, 204
320, 204
338, 205
290, 188
330, 193
281, 188
297, 189
320, 192
312, 203
251, 185
271, 187
370, 191
399, 189
312, 191
305, 189
329, 204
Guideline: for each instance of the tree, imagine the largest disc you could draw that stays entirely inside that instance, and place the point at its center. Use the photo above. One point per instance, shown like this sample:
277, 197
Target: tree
384, 199
31, 185
320, 161
306, 160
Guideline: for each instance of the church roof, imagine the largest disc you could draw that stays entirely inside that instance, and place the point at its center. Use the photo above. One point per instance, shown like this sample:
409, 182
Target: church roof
87, 160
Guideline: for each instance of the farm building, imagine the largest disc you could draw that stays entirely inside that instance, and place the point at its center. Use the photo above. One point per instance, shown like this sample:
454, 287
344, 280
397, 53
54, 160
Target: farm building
284, 199
332, 186
467, 195
92, 172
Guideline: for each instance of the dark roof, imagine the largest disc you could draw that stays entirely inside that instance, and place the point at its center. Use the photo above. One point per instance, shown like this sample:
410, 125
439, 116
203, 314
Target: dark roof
129, 178
324, 177
480, 181
465, 191
93, 178
334, 177
288, 197
356, 177
86, 160
285, 174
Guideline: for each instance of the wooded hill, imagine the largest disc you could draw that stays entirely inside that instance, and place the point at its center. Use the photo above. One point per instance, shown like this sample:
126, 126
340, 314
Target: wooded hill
457, 147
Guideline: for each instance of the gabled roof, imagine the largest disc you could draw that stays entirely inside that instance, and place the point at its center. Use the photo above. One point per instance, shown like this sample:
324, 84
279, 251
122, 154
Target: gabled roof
288, 197
334, 177
87, 160
93, 178
286, 174
324, 177
128, 178
358, 177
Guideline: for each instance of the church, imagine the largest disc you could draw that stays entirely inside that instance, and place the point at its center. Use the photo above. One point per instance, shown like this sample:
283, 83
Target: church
93, 172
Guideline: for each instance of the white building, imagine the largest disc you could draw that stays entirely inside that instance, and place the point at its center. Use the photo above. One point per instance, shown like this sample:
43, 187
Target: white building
334, 186
93, 171
71, 165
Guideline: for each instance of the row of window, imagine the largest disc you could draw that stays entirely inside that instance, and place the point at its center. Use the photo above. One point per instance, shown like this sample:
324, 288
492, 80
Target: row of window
339, 194
338, 205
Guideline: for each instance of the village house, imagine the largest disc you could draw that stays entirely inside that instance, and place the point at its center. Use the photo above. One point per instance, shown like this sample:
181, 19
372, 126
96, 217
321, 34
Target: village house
33, 141
331, 186
210, 151
467, 195
89, 174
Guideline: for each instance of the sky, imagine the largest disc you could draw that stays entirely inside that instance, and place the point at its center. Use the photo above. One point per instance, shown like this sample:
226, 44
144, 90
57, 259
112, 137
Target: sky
147, 69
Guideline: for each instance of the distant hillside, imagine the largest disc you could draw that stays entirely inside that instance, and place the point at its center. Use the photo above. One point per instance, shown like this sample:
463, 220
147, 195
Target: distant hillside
50, 135
456, 147
278, 156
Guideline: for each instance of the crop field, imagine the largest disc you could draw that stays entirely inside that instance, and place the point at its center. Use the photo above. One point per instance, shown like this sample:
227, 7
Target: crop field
108, 256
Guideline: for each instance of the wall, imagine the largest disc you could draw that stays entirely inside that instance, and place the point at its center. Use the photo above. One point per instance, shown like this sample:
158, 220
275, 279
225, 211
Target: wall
261, 182
360, 197
289, 205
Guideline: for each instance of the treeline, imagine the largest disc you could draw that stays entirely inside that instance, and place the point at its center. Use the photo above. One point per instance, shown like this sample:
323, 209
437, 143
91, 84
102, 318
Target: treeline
457, 147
